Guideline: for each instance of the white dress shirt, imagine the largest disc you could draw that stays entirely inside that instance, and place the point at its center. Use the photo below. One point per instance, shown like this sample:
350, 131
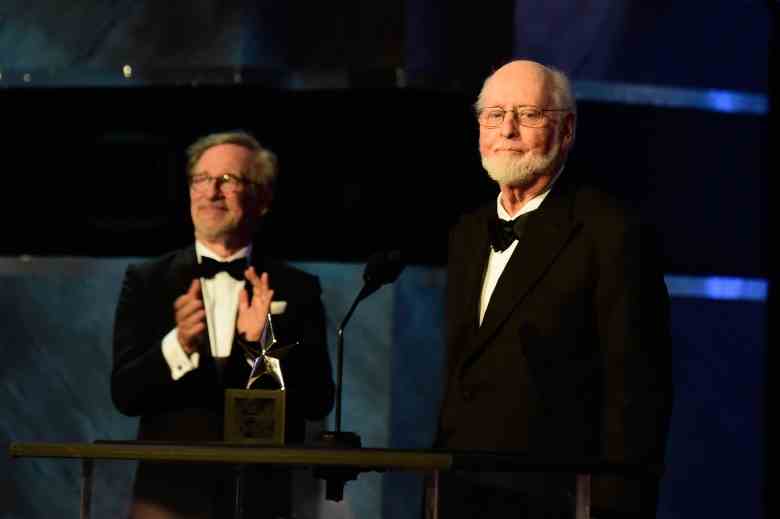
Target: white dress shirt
498, 260
220, 300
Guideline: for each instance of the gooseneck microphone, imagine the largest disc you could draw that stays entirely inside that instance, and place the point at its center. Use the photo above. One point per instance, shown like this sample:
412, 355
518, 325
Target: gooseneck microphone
382, 268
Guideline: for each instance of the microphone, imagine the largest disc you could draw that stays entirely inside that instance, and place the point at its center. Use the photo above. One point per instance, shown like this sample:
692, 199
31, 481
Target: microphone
382, 268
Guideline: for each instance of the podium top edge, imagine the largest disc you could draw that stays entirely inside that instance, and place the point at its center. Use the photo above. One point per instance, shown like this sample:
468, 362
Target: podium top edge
236, 454
303, 455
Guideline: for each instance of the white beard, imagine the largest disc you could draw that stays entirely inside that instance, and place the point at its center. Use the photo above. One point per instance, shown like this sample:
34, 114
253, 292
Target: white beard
511, 170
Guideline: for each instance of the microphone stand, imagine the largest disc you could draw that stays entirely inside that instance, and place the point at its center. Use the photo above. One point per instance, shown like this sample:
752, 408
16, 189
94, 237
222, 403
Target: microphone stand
336, 477
381, 268
340, 356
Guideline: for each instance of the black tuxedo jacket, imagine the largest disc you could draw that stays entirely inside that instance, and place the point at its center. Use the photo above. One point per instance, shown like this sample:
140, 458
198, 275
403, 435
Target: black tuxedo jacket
191, 408
572, 359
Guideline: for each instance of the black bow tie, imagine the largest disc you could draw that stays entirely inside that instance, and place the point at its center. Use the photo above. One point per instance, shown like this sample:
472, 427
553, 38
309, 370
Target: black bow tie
208, 268
503, 232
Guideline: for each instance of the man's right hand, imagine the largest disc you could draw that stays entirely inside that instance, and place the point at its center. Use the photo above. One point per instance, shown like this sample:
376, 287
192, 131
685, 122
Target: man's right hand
190, 318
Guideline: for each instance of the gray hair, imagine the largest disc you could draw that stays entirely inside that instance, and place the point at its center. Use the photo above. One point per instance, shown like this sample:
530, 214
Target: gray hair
562, 93
561, 90
264, 164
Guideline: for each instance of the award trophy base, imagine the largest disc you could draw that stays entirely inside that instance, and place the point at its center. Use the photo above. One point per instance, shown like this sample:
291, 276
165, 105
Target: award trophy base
254, 416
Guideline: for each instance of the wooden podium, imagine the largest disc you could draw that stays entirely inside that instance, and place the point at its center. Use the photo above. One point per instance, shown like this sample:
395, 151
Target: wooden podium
358, 459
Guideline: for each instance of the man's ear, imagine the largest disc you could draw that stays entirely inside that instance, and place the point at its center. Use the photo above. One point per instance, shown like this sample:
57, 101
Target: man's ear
264, 198
567, 130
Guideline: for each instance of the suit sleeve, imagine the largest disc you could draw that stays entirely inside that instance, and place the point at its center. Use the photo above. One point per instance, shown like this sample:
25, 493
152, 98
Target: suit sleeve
141, 381
453, 317
632, 307
455, 320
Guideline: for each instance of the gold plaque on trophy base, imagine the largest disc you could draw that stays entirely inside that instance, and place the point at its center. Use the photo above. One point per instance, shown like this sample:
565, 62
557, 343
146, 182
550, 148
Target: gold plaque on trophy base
254, 416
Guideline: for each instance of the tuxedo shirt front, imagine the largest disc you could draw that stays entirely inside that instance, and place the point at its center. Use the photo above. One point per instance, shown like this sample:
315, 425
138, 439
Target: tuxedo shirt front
498, 259
220, 300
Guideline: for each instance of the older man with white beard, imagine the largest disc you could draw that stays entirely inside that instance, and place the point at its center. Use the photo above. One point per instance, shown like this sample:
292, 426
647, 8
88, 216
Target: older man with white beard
557, 319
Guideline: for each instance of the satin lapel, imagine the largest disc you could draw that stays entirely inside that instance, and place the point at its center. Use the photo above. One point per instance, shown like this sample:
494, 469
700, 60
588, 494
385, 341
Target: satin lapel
478, 252
182, 272
180, 277
546, 234
260, 265
468, 256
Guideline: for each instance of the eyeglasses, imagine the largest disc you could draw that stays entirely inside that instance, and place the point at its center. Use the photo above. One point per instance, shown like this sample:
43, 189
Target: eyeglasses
529, 116
227, 183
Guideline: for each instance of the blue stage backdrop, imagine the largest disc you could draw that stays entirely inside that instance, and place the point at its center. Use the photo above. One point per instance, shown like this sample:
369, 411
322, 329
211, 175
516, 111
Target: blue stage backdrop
55, 322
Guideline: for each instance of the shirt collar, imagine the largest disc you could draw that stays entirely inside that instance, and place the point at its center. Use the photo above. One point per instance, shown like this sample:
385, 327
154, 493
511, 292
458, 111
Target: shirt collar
201, 250
531, 205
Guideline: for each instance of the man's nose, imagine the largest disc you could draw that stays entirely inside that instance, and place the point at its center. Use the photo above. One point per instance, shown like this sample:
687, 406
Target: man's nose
509, 126
214, 189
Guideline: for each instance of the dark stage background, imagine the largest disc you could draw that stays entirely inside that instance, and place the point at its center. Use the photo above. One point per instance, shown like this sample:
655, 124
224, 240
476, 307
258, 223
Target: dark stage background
368, 105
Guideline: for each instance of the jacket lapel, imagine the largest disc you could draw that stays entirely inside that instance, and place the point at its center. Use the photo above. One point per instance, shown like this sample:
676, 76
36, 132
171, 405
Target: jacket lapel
547, 232
182, 272
180, 276
478, 253
260, 265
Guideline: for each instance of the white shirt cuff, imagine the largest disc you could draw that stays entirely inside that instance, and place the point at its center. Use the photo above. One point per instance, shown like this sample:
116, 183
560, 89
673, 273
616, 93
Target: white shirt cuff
178, 361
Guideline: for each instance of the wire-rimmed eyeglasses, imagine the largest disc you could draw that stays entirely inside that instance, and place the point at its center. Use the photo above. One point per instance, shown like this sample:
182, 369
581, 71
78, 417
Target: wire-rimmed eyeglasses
227, 183
528, 116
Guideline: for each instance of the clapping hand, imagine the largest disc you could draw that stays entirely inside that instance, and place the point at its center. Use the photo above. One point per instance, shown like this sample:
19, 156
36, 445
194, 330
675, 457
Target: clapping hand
252, 314
190, 318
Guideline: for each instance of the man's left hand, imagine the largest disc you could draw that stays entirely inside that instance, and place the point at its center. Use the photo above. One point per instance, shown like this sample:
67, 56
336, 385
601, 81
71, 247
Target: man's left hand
252, 314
